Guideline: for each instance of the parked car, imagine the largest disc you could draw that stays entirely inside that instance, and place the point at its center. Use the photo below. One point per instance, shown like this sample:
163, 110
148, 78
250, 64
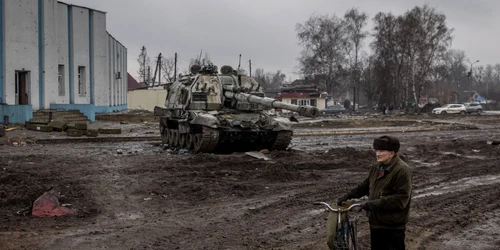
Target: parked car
450, 109
335, 109
473, 108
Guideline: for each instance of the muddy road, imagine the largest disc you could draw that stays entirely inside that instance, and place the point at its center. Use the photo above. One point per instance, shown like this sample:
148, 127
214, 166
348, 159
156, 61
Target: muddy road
136, 195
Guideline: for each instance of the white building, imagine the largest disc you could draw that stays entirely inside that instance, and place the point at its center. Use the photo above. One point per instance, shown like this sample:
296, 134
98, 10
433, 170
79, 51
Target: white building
55, 55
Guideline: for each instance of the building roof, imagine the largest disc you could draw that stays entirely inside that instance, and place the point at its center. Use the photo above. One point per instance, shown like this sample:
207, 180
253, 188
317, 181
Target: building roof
133, 84
308, 85
114, 39
307, 82
82, 7
304, 95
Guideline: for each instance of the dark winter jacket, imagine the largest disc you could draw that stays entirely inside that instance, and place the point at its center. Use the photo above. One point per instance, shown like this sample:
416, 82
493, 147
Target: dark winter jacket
391, 192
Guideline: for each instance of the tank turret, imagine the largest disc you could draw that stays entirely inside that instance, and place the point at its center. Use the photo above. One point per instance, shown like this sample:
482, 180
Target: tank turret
207, 111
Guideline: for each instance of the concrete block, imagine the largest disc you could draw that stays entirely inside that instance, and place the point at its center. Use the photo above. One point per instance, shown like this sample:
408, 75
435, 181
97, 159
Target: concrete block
110, 130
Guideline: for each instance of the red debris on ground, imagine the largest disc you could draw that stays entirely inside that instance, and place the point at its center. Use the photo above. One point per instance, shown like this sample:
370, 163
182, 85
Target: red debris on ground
48, 205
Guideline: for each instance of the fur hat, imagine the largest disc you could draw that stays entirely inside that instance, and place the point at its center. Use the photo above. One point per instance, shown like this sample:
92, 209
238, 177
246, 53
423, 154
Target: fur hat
388, 143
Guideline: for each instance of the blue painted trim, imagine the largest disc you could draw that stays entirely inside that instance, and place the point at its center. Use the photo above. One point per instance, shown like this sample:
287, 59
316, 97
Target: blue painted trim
113, 78
18, 114
2, 59
41, 46
91, 56
110, 109
70, 54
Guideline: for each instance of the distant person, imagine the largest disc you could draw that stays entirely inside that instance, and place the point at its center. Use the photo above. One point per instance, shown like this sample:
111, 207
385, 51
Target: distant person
391, 108
389, 191
384, 109
347, 104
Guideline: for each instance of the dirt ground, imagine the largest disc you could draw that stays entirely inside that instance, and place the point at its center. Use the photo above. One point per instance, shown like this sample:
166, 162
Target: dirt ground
137, 195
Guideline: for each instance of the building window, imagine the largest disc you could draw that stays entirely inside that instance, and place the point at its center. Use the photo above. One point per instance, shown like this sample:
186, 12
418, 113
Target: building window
294, 101
304, 102
313, 103
60, 80
81, 81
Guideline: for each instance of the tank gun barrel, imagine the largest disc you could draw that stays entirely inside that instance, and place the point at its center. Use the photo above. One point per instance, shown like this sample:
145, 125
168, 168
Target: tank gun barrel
309, 111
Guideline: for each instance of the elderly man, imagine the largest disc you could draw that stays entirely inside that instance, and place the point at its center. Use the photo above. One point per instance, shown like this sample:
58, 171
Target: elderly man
389, 190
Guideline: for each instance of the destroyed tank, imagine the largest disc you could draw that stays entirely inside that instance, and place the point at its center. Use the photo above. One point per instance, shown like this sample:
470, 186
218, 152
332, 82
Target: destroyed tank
210, 112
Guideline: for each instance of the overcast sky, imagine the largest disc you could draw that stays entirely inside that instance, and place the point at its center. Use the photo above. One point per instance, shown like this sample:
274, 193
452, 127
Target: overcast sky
264, 30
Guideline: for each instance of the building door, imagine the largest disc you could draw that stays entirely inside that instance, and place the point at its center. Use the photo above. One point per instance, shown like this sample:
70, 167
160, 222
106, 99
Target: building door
22, 87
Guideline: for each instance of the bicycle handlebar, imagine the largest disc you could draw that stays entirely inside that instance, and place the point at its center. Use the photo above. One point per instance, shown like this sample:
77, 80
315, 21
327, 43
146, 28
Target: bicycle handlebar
340, 209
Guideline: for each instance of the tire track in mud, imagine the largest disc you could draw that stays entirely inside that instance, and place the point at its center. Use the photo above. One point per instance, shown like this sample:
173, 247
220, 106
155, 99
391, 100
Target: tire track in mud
455, 186
450, 214
248, 217
296, 227
290, 221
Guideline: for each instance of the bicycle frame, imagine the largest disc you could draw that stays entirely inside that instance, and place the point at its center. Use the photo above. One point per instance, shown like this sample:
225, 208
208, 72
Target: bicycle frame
343, 228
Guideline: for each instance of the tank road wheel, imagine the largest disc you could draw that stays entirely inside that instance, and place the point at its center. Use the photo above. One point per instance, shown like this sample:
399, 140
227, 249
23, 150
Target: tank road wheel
175, 139
206, 142
171, 137
182, 140
197, 145
283, 139
164, 135
189, 141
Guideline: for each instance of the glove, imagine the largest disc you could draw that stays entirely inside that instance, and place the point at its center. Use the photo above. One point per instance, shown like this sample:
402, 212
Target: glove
342, 199
369, 205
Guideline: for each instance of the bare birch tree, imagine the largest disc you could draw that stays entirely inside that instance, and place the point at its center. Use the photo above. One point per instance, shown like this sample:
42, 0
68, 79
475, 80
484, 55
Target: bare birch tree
325, 47
355, 24
144, 64
167, 68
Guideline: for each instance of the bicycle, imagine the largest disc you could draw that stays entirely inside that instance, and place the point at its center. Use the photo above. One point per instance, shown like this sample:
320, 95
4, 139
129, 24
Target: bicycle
346, 233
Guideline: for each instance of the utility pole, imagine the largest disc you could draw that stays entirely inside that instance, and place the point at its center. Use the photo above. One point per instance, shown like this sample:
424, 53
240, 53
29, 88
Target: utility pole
175, 66
149, 75
159, 70
250, 66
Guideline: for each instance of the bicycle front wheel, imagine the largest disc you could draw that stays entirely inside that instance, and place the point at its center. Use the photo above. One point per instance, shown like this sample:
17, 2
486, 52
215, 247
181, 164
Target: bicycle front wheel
352, 234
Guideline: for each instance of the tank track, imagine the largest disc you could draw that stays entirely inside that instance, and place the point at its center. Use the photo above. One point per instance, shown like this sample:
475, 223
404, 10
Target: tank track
283, 139
209, 140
